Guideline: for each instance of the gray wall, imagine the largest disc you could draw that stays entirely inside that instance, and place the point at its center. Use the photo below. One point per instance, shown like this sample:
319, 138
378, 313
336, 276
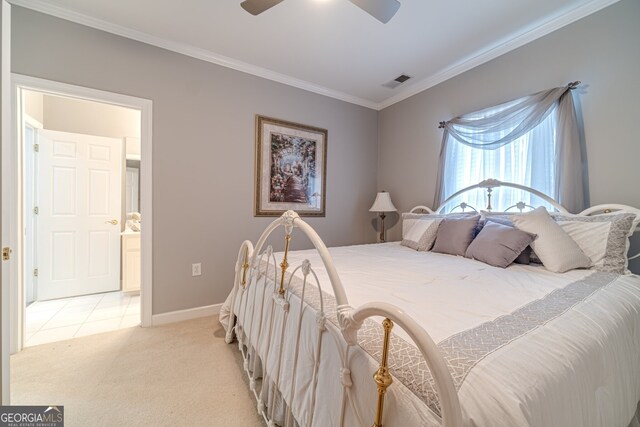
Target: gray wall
602, 50
203, 148
204, 132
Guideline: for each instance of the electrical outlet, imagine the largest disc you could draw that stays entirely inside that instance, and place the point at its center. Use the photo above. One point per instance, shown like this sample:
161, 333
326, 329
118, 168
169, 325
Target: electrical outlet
196, 269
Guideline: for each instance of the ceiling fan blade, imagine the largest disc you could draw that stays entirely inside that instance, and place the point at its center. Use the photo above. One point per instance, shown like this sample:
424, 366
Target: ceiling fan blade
256, 7
382, 10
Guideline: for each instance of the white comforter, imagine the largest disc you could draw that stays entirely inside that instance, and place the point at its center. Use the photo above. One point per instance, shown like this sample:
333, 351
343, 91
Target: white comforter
577, 367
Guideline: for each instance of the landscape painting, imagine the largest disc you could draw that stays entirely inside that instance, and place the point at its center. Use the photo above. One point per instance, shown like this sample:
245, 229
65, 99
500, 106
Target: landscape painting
291, 165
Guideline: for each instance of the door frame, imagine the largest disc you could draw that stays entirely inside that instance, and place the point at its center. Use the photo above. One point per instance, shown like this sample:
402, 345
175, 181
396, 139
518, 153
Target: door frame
28, 155
5, 81
13, 175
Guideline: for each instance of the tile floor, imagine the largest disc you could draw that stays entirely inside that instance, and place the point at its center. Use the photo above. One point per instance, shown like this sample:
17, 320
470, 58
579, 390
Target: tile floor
61, 319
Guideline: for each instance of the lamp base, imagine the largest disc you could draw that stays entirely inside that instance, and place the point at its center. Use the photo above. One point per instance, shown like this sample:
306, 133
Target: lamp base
382, 236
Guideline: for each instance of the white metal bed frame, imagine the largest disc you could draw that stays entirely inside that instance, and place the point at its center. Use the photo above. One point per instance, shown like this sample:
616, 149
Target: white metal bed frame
350, 319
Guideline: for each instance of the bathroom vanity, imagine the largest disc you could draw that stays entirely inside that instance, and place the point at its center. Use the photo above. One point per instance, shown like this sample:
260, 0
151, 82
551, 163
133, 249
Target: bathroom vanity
130, 261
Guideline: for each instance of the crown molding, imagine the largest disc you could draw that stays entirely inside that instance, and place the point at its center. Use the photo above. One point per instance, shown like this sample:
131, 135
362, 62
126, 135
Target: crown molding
497, 50
188, 50
473, 61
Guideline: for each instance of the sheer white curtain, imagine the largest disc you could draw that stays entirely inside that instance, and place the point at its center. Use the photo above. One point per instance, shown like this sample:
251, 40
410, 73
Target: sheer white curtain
523, 161
531, 141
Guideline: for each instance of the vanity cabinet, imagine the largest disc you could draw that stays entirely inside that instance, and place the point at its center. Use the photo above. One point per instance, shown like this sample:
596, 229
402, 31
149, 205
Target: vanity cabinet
131, 261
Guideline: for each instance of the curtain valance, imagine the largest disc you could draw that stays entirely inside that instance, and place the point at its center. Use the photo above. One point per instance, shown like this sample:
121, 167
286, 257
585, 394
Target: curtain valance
495, 127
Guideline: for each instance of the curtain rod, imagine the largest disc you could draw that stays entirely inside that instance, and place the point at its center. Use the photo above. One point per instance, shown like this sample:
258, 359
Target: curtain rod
571, 86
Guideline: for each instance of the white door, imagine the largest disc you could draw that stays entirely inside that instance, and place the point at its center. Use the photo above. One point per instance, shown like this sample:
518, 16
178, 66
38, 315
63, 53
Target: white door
79, 201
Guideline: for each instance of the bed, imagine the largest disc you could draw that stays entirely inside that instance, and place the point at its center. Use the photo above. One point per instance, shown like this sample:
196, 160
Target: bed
449, 341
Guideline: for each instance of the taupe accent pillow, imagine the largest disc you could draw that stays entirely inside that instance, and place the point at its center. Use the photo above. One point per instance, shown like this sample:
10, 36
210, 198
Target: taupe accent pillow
556, 249
455, 234
498, 245
527, 256
422, 234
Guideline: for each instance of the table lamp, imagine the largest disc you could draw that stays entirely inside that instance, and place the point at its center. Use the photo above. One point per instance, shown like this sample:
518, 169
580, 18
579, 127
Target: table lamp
381, 205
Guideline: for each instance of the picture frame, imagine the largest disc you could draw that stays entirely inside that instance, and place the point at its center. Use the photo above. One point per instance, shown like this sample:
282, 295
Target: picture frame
291, 165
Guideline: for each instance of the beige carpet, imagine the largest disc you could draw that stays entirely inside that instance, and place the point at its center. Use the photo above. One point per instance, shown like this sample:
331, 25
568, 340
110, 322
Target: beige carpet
181, 374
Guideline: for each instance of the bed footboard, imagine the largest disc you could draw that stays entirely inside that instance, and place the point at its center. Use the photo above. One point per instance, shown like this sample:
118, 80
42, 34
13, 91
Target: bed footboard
289, 330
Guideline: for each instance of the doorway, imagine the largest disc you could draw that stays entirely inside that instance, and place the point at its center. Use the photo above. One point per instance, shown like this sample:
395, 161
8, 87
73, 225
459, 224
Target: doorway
83, 195
74, 218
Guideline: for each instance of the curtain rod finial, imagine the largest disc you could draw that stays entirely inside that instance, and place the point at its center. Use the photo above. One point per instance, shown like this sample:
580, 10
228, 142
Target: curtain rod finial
574, 85
441, 125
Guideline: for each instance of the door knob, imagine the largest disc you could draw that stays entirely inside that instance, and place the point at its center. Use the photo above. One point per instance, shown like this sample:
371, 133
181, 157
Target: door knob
112, 222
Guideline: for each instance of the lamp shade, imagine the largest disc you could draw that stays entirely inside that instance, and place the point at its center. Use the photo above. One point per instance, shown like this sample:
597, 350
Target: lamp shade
383, 203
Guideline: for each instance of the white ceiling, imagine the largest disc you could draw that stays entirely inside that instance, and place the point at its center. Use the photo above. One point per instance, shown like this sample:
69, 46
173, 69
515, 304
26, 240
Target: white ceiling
331, 46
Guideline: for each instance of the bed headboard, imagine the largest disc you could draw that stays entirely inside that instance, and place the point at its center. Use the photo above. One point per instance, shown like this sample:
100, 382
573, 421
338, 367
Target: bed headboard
490, 184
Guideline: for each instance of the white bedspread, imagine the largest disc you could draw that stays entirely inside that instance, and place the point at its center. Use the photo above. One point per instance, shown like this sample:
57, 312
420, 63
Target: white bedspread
579, 365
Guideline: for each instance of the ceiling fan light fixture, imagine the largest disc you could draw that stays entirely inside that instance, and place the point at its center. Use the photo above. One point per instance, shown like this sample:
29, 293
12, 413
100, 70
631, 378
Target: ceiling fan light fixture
256, 7
382, 10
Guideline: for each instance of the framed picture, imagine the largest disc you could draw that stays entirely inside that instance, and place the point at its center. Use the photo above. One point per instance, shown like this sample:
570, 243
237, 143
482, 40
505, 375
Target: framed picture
291, 164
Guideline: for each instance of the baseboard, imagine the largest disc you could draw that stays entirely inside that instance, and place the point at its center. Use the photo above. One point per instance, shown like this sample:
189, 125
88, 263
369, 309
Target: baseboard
190, 313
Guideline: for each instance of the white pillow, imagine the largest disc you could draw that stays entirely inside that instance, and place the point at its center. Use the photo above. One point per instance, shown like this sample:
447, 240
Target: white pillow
422, 234
604, 238
409, 220
590, 237
556, 249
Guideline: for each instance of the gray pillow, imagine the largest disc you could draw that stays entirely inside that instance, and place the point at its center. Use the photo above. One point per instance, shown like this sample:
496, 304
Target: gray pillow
499, 245
527, 256
455, 234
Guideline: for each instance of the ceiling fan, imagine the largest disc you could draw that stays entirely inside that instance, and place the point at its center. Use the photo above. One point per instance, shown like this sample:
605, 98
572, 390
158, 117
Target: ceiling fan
382, 10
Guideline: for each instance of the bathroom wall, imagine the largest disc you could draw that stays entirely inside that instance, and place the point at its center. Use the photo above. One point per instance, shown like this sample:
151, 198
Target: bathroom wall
34, 105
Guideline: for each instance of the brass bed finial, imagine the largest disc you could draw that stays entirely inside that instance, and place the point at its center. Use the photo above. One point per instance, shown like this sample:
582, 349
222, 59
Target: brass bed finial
284, 264
382, 377
245, 266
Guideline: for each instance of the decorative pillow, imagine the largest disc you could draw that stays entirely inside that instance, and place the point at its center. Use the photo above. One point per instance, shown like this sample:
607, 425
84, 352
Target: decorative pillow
498, 245
603, 238
409, 219
557, 251
422, 234
527, 256
455, 234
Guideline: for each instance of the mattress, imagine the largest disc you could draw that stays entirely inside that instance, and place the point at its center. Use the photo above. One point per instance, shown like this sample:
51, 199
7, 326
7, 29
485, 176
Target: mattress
525, 347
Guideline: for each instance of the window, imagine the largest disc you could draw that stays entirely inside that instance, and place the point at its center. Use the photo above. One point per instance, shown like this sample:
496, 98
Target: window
528, 160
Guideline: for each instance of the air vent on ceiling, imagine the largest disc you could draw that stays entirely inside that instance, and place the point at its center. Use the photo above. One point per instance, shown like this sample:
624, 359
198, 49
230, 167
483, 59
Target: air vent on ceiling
397, 81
